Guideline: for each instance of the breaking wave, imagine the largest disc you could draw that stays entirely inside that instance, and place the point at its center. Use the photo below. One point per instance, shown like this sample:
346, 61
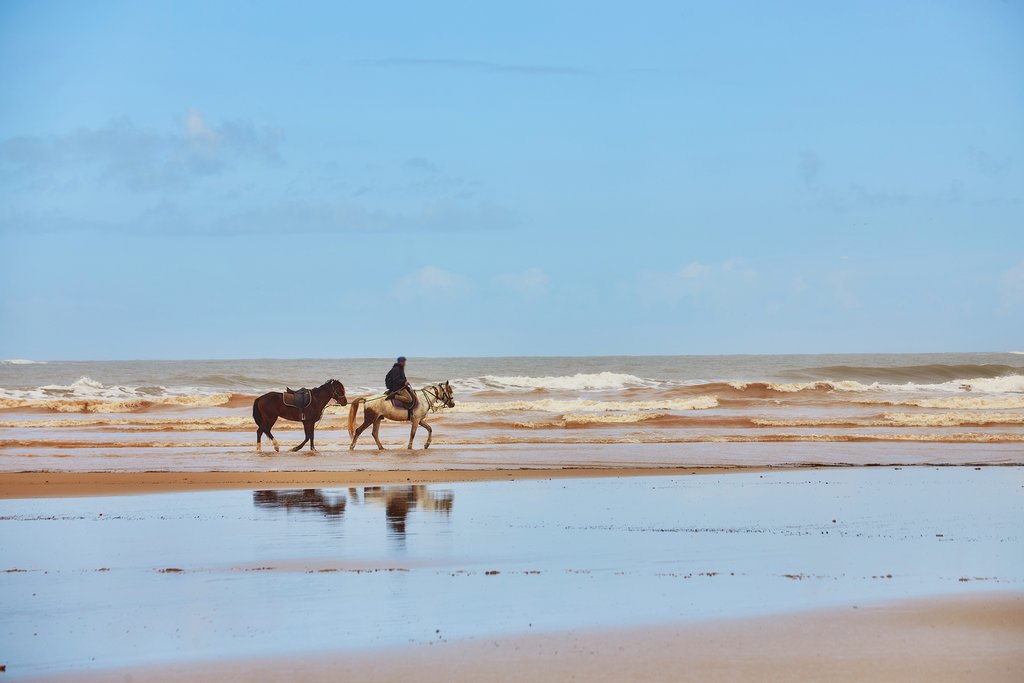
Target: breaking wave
955, 402
584, 405
903, 374
600, 381
22, 361
86, 395
1004, 384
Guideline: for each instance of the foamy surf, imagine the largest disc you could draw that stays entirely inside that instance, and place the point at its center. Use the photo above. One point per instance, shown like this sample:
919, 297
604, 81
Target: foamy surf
601, 381
22, 361
534, 401
953, 402
1009, 384
584, 405
86, 395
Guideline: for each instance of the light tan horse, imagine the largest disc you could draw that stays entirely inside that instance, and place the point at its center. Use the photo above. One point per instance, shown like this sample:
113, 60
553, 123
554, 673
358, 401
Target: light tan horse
376, 409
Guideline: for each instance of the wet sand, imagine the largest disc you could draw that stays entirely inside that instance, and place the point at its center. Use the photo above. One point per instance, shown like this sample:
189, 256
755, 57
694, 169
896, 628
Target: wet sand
977, 638
74, 484
512, 456
732, 575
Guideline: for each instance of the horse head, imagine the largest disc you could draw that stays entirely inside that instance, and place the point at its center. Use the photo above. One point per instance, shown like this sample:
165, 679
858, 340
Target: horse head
337, 391
446, 394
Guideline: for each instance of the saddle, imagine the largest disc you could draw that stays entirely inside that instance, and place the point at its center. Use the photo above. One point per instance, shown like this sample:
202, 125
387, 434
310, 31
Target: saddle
299, 398
403, 404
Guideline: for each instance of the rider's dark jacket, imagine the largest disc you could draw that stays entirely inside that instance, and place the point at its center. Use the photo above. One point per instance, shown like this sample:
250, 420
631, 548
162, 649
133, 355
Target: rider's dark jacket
396, 378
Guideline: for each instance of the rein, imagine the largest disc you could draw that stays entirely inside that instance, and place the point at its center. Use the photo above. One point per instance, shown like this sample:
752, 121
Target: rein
427, 391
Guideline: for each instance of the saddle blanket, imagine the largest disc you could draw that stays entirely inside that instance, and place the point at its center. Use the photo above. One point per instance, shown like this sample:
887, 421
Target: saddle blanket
402, 405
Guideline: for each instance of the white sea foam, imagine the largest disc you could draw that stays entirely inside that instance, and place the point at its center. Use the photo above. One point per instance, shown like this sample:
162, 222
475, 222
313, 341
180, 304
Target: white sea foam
952, 419
582, 405
87, 395
621, 418
600, 381
22, 361
1009, 384
967, 402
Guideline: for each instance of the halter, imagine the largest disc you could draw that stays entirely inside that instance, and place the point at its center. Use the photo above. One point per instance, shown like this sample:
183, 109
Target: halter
432, 392
334, 391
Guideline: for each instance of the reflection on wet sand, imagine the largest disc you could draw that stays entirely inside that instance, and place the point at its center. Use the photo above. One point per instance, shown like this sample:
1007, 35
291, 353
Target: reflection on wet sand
303, 500
193, 577
398, 501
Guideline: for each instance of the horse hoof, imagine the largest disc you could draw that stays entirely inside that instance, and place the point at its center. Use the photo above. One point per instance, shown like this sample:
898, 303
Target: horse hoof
277, 449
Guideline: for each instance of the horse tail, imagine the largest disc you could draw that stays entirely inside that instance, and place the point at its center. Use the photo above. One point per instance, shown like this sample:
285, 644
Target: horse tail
256, 413
353, 408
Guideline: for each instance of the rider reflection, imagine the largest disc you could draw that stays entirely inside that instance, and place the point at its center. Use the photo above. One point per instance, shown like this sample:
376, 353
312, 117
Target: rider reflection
398, 502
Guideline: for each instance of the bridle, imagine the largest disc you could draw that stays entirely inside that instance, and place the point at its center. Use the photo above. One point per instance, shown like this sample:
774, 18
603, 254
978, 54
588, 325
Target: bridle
434, 392
334, 391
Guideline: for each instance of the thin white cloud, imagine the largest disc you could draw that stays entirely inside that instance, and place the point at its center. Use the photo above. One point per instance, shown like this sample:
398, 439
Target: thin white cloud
140, 159
432, 281
694, 280
530, 282
293, 218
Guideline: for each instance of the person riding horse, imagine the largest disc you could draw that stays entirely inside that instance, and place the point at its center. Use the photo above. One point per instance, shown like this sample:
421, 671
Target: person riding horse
398, 386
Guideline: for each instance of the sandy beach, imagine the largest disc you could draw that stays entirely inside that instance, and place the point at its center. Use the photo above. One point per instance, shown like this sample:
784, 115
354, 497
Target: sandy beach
726, 574
951, 639
75, 484
815, 523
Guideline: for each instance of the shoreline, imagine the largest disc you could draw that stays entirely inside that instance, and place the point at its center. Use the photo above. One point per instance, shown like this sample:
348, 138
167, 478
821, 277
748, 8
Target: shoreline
965, 637
86, 484
70, 484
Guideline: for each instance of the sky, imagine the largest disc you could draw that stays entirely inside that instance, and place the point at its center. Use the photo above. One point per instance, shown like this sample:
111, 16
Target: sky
252, 179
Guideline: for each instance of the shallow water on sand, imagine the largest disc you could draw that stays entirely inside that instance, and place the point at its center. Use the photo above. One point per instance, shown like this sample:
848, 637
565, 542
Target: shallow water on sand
102, 582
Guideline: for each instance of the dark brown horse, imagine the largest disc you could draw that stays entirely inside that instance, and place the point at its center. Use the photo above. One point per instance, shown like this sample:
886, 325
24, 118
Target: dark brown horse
270, 406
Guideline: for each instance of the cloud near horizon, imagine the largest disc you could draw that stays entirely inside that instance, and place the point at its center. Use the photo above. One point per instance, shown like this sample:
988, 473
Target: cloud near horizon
140, 159
530, 282
675, 286
431, 281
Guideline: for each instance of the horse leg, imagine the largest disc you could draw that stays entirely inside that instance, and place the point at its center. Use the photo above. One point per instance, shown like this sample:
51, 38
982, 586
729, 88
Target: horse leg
367, 421
310, 428
259, 426
376, 432
412, 431
305, 427
266, 430
430, 433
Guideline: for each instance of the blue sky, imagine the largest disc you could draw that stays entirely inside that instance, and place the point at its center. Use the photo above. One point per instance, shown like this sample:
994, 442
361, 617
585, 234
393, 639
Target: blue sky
181, 180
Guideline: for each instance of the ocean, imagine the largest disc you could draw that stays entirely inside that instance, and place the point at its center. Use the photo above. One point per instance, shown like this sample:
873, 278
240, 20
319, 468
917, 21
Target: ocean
85, 411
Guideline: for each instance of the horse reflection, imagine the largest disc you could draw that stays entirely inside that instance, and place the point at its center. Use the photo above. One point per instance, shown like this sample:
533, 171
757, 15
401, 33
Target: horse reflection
398, 501
308, 500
